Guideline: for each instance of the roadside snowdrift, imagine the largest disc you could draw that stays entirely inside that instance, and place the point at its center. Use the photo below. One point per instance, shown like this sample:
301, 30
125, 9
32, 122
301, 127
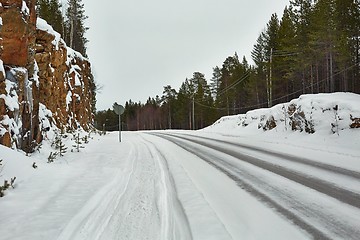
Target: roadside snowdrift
325, 114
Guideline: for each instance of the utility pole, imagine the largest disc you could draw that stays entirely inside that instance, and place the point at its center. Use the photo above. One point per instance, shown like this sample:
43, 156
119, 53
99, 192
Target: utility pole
193, 113
119, 127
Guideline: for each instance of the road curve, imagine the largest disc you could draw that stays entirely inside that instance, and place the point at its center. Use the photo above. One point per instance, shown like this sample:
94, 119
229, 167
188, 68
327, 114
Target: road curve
296, 211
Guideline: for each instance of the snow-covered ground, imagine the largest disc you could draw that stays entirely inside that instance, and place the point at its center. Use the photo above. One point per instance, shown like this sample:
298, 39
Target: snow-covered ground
231, 180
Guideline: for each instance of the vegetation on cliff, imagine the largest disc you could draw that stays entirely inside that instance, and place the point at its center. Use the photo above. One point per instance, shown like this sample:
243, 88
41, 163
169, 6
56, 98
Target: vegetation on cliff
43, 82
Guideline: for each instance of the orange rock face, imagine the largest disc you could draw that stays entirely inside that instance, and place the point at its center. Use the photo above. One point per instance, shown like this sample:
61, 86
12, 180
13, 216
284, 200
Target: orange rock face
64, 83
64, 88
17, 32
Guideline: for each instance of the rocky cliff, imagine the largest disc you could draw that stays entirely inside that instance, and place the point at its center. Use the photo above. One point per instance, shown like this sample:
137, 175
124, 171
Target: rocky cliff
43, 83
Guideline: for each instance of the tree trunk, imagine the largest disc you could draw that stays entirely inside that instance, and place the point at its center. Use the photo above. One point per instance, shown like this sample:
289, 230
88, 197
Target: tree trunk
332, 80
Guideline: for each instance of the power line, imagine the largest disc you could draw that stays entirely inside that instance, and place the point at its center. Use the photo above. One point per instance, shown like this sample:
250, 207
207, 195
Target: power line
237, 82
279, 98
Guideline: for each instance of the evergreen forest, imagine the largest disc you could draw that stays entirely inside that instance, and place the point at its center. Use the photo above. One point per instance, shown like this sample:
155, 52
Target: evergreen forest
313, 48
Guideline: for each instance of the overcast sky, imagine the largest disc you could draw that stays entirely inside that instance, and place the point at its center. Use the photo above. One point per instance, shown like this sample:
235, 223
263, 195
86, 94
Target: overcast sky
138, 46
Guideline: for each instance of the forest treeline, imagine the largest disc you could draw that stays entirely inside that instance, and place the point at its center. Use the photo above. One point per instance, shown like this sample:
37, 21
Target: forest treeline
313, 48
68, 20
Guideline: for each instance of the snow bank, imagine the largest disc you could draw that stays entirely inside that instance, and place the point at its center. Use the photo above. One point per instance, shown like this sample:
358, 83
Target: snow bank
325, 114
14, 164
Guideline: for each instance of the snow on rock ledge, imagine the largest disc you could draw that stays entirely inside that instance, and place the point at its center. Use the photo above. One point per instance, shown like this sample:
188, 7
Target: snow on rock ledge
325, 113
39, 72
65, 79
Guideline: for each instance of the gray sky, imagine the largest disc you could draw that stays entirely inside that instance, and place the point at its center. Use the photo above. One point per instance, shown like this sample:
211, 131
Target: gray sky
138, 46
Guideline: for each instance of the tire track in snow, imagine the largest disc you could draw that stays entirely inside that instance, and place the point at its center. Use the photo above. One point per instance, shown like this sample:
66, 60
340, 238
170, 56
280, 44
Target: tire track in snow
148, 209
174, 218
94, 216
249, 188
336, 227
319, 185
319, 165
137, 215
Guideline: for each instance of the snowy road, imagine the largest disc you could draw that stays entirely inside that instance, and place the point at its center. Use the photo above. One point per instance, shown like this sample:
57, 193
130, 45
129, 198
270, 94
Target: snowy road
184, 185
322, 199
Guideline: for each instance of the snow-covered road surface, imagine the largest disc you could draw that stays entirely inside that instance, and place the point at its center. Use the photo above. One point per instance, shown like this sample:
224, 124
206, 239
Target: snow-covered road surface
321, 199
185, 185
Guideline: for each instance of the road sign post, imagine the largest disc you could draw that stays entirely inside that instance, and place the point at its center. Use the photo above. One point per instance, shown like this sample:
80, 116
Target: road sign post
119, 109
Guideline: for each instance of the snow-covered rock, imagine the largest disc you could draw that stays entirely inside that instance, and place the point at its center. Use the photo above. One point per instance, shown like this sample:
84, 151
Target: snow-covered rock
323, 113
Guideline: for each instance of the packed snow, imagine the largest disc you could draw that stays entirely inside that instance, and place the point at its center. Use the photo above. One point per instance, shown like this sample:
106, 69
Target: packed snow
191, 184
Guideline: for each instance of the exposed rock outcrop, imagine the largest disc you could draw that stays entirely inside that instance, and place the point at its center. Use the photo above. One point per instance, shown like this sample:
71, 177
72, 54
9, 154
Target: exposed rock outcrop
355, 122
38, 72
70, 99
18, 32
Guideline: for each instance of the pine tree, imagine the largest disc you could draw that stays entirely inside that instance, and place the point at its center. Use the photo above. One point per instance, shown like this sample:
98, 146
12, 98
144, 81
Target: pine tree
225, 97
347, 15
302, 11
203, 100
258, 55
49, 10
285, 56
169, 95
271, 45
185, 99
75, 26
324, 39
215, 81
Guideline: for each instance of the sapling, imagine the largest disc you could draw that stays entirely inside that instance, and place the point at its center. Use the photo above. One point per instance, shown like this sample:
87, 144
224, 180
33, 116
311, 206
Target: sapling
78, 143
52, 156
6, 186
12, 180
58, 143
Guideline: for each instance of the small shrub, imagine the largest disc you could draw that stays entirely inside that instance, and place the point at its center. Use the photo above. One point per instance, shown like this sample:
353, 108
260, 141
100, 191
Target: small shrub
6, 185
